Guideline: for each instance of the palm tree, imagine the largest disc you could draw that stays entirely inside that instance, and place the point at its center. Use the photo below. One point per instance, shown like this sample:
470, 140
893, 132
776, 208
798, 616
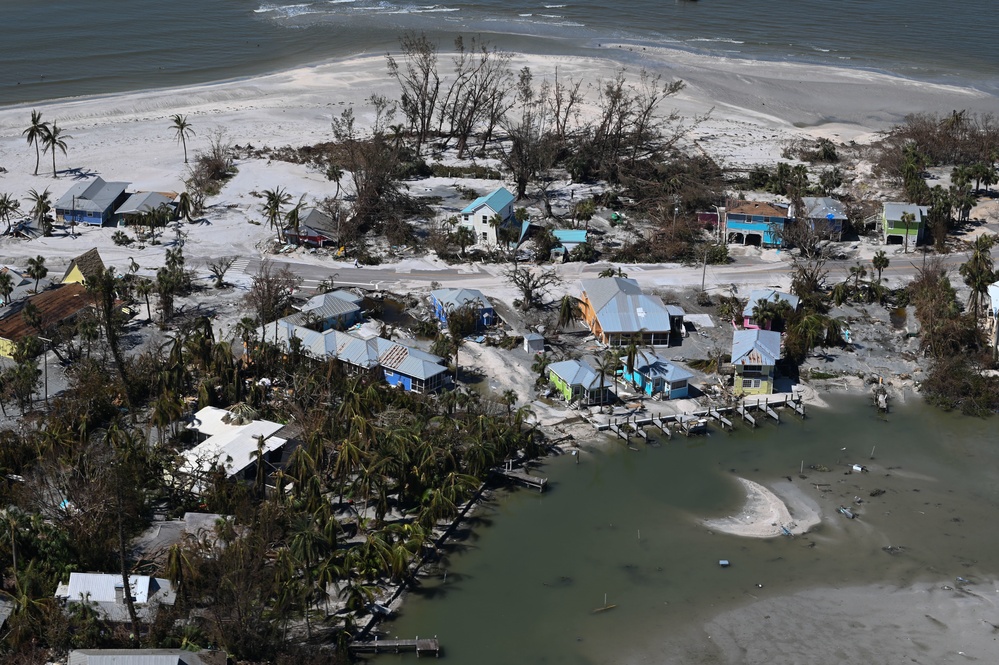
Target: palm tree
569, 312
143, 288
979, 273
185, 206
294, 216
880, 262
907, 218
8, 206
41, 205
613, 272
6, 287
183, 130
273, 206
36, 269
607, 365
857, 272
36, 133
54, 140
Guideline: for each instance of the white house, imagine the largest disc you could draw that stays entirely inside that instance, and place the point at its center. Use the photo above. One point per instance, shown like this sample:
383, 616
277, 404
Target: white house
478, 214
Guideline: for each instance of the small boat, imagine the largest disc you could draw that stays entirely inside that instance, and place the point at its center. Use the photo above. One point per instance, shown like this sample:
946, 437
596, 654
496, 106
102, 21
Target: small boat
846, 512
786, 531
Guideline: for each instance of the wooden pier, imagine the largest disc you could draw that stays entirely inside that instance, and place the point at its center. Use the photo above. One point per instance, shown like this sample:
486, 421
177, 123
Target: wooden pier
521, 477
422, 647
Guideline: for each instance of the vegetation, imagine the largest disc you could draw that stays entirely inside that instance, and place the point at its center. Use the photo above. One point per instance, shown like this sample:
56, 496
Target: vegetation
182, 129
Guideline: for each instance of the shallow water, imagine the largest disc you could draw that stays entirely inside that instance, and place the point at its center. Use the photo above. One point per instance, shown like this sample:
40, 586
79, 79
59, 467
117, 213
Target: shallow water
61, 49
523, 586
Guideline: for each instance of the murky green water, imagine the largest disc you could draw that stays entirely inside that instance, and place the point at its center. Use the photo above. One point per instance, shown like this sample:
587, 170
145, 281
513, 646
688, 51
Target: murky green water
523, 586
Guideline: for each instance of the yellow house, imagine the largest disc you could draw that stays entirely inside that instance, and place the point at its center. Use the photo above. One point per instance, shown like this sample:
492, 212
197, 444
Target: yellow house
754, 355
85, 265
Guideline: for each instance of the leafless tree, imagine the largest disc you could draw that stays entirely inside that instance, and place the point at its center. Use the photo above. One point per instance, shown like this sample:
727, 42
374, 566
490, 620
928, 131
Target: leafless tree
420, 82
219, 268
533, 285
270, 294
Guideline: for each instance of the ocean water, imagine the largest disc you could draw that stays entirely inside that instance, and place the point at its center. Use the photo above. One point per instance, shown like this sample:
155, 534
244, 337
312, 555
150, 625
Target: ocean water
65, 48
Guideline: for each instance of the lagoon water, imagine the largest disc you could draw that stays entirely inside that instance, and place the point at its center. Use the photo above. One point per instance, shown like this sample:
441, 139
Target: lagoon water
523, 586
69, 48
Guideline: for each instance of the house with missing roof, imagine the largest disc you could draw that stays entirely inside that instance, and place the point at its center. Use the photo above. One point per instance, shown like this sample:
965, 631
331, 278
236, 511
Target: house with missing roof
315, 228
907, 232
445, 301
105, 592
91, 202
576, 381
758, 296
233, 443
755, 223
568, 239
145, 657
619, 313
658, 377
824, 214
479, 214
754, 356
400, 365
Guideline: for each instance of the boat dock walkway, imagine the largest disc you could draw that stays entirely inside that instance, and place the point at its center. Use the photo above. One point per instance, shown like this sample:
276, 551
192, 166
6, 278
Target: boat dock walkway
521, 477
422, 647
693, 422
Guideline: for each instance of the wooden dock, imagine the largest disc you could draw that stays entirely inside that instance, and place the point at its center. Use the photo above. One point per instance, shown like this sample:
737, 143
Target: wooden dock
521, 477
422, 647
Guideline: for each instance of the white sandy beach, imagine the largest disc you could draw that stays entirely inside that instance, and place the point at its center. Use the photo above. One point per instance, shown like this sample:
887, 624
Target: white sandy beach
766, 515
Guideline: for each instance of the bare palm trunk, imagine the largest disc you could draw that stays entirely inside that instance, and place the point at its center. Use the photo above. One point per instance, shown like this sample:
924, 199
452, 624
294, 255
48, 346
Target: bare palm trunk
38, 157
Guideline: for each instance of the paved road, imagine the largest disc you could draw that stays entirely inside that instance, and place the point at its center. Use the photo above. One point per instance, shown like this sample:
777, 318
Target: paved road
744, 270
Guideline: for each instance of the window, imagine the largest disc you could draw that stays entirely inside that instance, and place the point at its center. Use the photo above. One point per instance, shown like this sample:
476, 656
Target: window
751, 383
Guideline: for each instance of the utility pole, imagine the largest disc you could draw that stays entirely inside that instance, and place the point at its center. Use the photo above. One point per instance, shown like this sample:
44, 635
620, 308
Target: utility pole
45, 362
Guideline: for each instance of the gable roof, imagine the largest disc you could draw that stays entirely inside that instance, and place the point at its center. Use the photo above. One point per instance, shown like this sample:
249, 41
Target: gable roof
893, 211
495, 201
579, 373
755, 347
142, 202
325, 306
459, 297
653, 365
100, 588
91, 195
820, 207
621, 307
89, 263
758, 295
317, 221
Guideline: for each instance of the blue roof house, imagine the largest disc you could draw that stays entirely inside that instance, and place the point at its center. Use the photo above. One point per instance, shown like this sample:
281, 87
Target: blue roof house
825, 214
478, 215
445, 301
91, 202
658, 377
336, 309
758, 296
576, 381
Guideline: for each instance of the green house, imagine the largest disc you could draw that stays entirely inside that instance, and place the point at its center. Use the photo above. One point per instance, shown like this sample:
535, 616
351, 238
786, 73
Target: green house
576, 381
899, 232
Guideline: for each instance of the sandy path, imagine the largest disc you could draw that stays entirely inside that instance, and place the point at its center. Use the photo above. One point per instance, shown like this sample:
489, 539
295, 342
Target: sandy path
764, 513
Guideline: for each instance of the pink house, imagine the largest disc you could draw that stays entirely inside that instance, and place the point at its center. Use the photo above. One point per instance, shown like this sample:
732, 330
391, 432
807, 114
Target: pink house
764, 295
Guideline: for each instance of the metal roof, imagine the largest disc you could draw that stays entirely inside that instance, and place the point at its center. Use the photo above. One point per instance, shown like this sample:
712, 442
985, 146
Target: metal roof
91, 196
495, 201
893, 211
578, 373
820, 207
232, 446
100, 587
325, 306
755, 347
142, 657
621, 307
653, 365
460, 297
142, 202
570, 236
758, 295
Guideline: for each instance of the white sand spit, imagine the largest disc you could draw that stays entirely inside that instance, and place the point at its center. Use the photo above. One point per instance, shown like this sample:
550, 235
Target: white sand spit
764, 513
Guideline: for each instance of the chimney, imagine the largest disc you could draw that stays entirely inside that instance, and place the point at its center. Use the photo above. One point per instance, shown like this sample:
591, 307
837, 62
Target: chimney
119, 593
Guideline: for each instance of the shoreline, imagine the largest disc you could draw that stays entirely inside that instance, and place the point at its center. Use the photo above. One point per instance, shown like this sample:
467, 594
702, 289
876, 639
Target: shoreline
766, 515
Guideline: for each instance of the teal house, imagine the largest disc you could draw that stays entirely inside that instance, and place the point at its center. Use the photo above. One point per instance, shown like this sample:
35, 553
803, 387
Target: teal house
657, 377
